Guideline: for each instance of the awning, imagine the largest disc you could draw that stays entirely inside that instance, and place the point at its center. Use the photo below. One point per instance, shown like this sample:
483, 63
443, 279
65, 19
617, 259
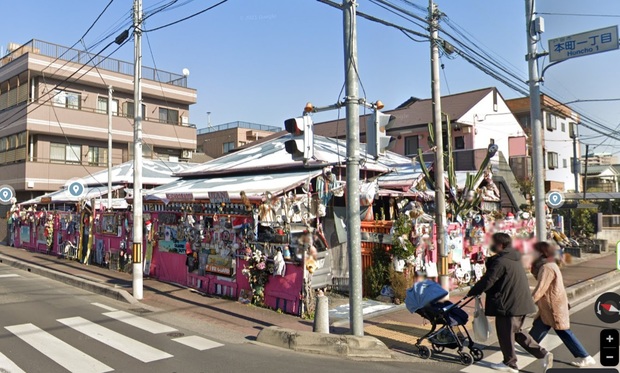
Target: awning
252, 185
63, 196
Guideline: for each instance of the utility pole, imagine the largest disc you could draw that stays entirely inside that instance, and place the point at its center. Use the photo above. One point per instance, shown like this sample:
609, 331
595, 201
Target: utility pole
110, 90
585, 173
576, 167
353, 164
137, 152
438, 168
533, 30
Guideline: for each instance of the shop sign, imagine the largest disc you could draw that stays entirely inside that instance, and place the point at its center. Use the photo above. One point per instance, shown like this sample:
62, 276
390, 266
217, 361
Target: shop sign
46, 200
180, 196
219, 265
24, 233
219, 197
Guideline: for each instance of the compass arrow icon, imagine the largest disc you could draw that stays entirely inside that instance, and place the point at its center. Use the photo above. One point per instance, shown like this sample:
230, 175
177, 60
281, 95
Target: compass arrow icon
609, 308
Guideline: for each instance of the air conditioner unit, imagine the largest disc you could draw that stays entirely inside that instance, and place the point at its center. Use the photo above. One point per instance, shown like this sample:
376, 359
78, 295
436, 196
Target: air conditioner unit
187, 154
185, 121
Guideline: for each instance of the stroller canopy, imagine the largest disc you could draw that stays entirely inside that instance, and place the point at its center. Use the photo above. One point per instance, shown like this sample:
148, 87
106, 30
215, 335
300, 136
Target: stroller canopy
422, 294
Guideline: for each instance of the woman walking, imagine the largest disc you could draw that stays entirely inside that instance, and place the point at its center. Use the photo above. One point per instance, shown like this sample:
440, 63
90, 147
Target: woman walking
553, 307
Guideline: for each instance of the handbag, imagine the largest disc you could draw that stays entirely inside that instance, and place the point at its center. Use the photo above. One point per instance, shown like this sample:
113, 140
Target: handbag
482, 332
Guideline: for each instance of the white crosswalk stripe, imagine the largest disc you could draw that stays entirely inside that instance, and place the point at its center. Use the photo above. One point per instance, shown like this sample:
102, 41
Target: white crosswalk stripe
62, 353
9, 275
131, 347
140, 322
107, 308
199, 343
6, 365
550, 342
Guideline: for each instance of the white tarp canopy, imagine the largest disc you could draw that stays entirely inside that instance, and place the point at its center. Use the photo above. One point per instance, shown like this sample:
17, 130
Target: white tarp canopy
272, 155
252, 185
154, 172
63, 195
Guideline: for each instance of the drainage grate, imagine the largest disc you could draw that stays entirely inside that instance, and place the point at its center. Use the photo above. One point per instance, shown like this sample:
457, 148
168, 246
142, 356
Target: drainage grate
140, 311
175, 334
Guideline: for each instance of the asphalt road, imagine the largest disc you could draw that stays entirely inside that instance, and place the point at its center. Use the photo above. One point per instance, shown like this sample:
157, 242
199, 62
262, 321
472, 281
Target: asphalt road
46, 326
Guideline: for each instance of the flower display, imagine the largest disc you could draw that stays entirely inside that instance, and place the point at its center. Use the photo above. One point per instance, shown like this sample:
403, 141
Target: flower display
257, 273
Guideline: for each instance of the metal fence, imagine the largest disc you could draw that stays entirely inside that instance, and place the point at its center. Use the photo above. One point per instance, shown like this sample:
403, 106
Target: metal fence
247, 125
611, 221
88, 59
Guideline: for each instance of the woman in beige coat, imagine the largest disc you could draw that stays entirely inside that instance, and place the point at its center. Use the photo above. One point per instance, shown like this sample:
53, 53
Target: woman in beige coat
553, 308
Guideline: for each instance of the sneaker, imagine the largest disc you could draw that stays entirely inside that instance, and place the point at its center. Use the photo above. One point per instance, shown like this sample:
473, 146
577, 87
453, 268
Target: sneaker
548, 361
504, 368
584, 362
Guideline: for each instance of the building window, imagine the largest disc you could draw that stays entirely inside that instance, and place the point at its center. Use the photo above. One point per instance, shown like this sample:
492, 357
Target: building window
102, 105
524, 120
168, 116
71, 100
63, 153
563, 126
459, 142
552, 160
492, 141
412, 144
97, 156
564, 163
128, 110
552, 122
228, 146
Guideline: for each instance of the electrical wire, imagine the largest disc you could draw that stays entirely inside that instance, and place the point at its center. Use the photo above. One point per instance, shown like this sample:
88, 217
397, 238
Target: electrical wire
186, 18
579, 15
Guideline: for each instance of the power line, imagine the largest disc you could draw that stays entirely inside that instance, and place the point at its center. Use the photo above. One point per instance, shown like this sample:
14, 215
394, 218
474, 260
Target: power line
186, 18
579, 14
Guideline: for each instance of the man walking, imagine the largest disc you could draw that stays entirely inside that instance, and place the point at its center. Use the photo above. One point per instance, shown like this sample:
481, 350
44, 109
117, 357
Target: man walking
509, 300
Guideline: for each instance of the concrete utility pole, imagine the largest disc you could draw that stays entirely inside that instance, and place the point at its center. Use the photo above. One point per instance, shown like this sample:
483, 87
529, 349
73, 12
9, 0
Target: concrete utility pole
110, 90
353, 164
576, 165
535, 112
440, 190
137, 152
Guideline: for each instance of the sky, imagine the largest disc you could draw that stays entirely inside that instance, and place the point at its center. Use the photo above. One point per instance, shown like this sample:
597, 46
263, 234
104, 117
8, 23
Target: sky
261, 60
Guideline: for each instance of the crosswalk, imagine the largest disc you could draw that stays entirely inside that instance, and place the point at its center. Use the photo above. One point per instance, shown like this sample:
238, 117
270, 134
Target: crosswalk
526, 361
71, 358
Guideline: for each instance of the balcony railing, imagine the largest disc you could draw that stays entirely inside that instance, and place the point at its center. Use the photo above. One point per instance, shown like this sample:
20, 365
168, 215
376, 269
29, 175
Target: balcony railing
246, 125
82, 57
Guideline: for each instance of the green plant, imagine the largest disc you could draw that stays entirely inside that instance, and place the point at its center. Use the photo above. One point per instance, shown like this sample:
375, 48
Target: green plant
401, 281
401, 246
378, 275
581, 221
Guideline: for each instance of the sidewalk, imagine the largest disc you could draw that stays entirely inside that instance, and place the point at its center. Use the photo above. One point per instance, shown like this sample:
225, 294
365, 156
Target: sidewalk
400, 329
395, 326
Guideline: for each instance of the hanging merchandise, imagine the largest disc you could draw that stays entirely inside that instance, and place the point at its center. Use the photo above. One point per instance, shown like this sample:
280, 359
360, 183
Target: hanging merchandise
368, 192
431, 269
279, 264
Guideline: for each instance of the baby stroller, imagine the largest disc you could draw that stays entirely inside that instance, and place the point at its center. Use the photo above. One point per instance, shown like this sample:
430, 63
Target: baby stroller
424, 298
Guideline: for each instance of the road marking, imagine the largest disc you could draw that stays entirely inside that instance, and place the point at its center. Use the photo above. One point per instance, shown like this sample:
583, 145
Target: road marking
140, 322
550, 342
62, 353
10, 275
107, 308
6, 365
129, 346
199, 343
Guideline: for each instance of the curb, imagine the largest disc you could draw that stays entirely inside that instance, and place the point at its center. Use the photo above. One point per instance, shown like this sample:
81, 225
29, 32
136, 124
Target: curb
91, 286
325, 344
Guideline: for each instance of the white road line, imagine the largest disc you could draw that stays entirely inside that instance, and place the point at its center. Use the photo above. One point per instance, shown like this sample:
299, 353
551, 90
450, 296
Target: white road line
10, 275
199, 343
107, 308
140, 322
131, 347
550, 342
62, 353
6, 365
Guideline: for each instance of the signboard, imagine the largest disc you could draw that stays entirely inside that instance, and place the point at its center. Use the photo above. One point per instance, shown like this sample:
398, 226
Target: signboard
179, 196
45, 200
584, 44
24, 233
555, 200
219, 197
219, 265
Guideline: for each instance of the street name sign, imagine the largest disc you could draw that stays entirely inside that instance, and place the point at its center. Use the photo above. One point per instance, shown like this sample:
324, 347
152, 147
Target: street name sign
583, 44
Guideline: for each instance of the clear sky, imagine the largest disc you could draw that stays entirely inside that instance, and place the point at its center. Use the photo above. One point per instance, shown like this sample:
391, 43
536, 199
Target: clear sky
262, 60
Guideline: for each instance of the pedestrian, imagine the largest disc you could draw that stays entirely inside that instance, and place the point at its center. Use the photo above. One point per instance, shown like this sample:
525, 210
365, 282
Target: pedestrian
553, 307
509, 300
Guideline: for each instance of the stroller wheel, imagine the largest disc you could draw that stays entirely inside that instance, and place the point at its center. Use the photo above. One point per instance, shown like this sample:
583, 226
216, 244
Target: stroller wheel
438, 348
476, 353
424, 352
466, 358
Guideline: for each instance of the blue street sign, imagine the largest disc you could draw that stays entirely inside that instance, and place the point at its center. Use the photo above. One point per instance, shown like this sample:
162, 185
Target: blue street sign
6, 194
555, 199
76, 189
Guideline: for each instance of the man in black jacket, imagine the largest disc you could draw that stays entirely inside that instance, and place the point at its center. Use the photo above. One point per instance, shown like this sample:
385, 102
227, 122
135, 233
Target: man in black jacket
509, 300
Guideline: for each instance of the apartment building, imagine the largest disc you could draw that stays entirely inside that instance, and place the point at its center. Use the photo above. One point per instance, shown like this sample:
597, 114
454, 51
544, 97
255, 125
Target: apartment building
52, 131
221, 139
561, 148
